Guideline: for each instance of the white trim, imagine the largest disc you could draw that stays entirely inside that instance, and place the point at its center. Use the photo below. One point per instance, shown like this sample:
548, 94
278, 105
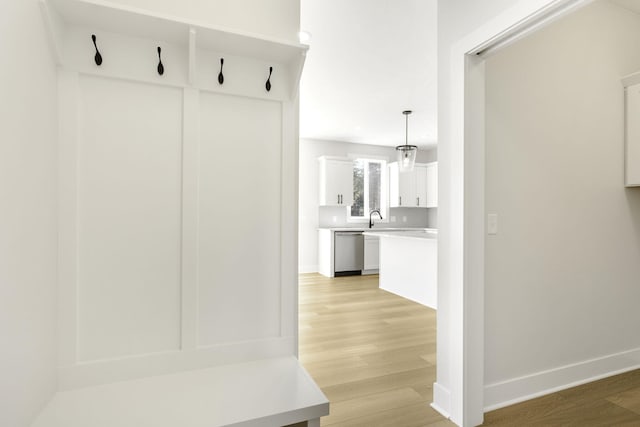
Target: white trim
631, 79
191, 80
515, 390
441, 399
474, 197
289, 223
384, 190
460, 282
189, 218
302, 269
531, 24
69, 118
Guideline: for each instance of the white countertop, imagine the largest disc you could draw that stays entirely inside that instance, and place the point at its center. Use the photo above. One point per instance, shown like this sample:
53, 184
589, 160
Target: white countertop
423, 233
379, 229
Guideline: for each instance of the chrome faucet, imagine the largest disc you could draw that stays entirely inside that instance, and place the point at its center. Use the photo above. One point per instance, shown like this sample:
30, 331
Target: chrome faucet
371, 219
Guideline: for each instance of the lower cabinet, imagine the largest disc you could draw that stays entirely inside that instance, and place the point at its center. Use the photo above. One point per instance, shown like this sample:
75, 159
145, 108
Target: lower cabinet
327, 252
371, 255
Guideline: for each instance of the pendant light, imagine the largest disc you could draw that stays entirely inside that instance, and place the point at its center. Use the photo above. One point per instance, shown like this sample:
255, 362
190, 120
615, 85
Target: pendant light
406, 153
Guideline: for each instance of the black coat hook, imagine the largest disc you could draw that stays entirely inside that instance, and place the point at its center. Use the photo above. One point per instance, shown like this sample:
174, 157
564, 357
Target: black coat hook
160, 66
268, 84
220, 76
97, 57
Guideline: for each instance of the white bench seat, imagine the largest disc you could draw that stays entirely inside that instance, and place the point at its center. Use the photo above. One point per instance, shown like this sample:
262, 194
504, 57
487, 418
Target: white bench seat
263, 393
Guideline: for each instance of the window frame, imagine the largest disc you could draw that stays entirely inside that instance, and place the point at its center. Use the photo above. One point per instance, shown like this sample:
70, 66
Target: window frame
384, 188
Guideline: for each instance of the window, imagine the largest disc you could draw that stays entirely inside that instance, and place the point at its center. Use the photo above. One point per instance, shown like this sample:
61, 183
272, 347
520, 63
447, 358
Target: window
369, 188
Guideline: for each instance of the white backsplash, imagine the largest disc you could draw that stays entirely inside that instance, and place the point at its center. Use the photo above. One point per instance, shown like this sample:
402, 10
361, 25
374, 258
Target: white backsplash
336, 216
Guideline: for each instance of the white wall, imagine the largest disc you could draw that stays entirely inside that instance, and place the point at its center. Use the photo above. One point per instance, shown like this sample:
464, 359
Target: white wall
562, 274
274, 18
457, 18
28, 217
311, 216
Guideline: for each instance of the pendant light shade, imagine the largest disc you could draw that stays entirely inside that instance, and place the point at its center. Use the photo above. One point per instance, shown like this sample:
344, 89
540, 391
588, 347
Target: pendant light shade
406, 153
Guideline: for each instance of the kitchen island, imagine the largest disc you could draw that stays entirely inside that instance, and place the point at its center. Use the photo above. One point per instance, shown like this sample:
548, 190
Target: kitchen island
409, 264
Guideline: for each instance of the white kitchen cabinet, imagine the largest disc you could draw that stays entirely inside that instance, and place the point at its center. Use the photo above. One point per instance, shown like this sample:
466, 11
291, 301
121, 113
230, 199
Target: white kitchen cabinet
421, 186
407, 189
325, 252
336, 181
371, 254
632, 143
432, 185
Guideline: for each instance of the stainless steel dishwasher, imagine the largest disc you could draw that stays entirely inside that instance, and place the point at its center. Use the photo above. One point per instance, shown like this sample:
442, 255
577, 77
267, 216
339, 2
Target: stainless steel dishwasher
348, 253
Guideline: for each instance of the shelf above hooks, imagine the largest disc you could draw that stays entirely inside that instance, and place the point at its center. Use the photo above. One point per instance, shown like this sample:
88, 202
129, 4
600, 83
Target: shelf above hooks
194, 38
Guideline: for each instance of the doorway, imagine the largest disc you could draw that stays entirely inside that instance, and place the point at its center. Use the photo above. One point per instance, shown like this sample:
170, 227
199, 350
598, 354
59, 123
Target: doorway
459, 391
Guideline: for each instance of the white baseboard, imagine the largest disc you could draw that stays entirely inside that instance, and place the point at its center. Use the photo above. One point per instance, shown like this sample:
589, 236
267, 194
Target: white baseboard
505, 393
441, 400
307, 269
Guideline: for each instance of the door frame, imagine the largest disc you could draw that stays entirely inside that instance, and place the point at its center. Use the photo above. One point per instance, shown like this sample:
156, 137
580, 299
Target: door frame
459, 389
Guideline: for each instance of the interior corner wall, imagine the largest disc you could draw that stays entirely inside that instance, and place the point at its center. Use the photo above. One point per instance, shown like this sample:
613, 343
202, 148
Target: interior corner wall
275, 18
309, 210
28, 218
562, 273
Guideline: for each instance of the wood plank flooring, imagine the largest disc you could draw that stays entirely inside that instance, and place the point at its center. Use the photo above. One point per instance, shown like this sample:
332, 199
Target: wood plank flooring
613, 401
373, 355
371, 352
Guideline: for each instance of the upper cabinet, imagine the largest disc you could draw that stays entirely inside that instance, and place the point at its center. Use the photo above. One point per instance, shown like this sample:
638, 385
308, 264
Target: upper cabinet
402, 187
432, 185
421, 186
336, 181
415, 189
632, 134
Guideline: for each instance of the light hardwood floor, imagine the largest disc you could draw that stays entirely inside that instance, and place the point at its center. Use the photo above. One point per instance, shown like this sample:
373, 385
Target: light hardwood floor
371, 352
373, 355
613, 401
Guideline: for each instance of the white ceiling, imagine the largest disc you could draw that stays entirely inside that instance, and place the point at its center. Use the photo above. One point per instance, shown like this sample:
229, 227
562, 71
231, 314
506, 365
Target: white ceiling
369, 60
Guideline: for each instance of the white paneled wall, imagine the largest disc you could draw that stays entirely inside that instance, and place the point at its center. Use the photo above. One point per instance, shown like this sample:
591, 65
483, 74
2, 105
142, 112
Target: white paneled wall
129, 204
239, 219
177, 243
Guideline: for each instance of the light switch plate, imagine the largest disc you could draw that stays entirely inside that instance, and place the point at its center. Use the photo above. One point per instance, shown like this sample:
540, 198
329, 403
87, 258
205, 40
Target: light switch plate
492, 224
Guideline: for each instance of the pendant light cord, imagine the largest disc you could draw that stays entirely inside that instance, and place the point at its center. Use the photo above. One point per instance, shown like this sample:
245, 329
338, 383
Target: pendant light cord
406, 132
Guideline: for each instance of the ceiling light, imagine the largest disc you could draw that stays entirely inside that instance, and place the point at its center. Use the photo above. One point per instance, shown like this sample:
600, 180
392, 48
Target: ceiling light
406, 153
